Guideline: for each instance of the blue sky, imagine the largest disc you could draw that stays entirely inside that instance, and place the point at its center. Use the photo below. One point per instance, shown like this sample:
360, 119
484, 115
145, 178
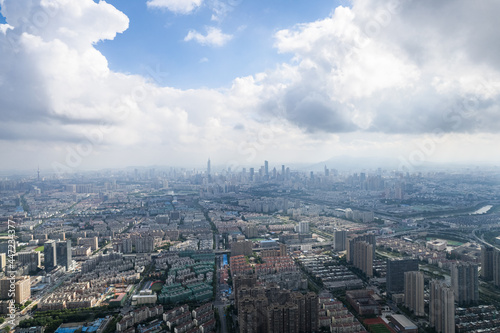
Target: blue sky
89, 84
155, 39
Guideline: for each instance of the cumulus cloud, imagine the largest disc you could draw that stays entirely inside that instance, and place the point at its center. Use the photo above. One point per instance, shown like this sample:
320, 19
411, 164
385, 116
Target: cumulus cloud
214, 37
367, 78
176, 6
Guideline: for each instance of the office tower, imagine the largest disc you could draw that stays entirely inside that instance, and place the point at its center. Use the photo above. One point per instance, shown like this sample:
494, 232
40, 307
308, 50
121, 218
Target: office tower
283, 172
487, 262
287, 174
3, 261
369, 238
465, 284
252, 174
63, 254
303, 227
414, 292
396, 268
363, 257
32, 259
209, 170
340, 240
266, 169
327, 172
441, 307
49, 255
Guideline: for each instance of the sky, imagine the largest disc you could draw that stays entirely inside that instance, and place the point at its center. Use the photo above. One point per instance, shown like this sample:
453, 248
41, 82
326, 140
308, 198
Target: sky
92, 84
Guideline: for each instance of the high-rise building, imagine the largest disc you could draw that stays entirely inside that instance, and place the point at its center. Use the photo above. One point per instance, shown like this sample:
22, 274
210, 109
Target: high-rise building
64, 254
3, 261
252, 174
465, 284
283, 250
50, 255
21, 288
487, 262
303, 227
340, 240
369, 238
363, 257
496, 268
209, 168
266, 169
396, 268
414, 292
441, 307
33, 259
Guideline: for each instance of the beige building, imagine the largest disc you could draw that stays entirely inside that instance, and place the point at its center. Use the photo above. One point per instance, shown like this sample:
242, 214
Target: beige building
363, 257
93, 242
414, 292
21, 288
441, 307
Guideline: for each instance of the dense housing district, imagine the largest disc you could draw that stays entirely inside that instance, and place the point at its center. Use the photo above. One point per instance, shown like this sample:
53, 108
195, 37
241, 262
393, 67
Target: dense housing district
267, 249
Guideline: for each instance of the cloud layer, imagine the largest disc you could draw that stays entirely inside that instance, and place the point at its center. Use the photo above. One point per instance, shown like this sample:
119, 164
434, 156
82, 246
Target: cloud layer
371, 78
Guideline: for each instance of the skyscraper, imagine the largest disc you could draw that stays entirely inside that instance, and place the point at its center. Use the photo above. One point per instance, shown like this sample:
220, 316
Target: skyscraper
369, 238
63, 254
496, 268
465, 284
414, 292
363, 257
340, 239
303, 227
266, 169
487, 262
441, 307
396, 268
209, 170
50, 255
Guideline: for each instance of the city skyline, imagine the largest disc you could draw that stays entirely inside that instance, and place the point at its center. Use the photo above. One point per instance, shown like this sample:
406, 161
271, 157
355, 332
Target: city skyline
92, 85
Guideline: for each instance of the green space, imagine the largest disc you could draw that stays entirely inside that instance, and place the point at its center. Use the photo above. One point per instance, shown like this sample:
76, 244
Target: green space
156, 287
39, 249
378, 328
450, 242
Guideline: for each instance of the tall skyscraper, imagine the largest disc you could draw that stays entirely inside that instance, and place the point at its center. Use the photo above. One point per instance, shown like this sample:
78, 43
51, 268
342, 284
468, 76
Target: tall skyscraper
487, 253
50, 255
252, 174
369, 238
396, 268
340, 240
414, 292
266, 169
209, 169
465, 284
63, 254
363, 257
441, 307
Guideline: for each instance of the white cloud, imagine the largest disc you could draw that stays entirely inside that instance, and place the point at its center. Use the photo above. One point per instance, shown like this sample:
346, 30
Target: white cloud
176, 6
214, 37
345, 90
